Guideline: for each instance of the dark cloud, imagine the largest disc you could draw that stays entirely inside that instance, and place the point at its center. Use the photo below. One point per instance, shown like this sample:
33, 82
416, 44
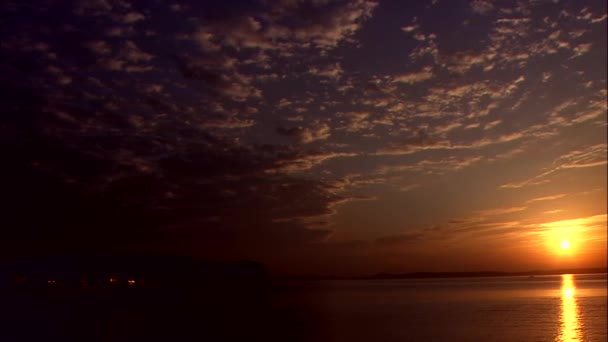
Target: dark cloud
89, 181
317, 131
218, 80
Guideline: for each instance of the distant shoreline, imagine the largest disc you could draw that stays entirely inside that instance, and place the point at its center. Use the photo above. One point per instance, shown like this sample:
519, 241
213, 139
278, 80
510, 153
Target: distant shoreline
438, 275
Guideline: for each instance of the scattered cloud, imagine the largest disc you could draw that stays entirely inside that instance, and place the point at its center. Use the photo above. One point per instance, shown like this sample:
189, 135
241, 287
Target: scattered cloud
133, 17
331, 71
304, 135
434, 166
546, 198
500, 211
590, 156
550, 212
588, 222
581, 49
304, 162
482, 6
425, 74
264, 121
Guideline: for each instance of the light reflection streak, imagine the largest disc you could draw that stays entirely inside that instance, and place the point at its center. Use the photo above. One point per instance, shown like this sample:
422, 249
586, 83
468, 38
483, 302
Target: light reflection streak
570, 327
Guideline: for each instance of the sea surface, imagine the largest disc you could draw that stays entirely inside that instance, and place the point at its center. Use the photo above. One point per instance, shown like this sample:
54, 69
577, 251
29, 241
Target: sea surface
540, 308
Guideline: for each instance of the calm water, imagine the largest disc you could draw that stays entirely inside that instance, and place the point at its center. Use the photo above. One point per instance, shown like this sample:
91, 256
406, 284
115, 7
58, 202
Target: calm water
552, 308
542, 308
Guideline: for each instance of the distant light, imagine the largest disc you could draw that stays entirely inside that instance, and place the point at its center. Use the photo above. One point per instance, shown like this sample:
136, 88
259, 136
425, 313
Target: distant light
131, 282
51, 281
113, 280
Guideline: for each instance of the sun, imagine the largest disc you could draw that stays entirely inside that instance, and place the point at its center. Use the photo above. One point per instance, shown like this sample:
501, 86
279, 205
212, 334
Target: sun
564, 239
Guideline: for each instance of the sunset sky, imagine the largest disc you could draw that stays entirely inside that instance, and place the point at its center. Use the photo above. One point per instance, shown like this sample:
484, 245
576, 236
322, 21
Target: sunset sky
318, 137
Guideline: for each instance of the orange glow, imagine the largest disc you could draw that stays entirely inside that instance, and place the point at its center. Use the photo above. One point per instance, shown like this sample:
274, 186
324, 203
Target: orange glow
131, 282
113, 280
563, 237
570, 327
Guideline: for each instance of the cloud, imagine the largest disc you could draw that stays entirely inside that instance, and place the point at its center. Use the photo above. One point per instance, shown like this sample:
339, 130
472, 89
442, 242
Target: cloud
229, 122
245, 126
589, 156
492, 124
172, 184
571, 112
450, 126
284, 103
512, 43
352, 181
599, 19
581, 49
595, 221
514, 185
133, 17
241, 33
546, 198
586, 15
461, 62
343, 200
482, 6
431, 166
425, 74
154, 88
326, 25
501, 211
100, 47
317, 131
409, 28
268, 34
60, 75
332, 71
553, 211
218, 79
423, 142
132, 53
356, 121
485, 231
305, 161
129, 58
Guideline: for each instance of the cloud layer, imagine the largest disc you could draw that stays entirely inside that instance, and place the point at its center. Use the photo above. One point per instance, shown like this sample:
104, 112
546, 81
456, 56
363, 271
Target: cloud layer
283, 130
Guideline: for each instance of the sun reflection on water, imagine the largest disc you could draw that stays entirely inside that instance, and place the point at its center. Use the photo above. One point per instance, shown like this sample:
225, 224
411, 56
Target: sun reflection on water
570, 327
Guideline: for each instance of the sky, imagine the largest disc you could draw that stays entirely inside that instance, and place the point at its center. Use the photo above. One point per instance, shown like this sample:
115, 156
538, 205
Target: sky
317, 137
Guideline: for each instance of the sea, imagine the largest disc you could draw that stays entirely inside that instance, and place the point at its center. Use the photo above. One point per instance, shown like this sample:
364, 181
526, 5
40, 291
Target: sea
527, 309
539, 308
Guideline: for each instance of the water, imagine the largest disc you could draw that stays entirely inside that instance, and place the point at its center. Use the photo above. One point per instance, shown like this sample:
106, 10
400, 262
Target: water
542, 308
550, 308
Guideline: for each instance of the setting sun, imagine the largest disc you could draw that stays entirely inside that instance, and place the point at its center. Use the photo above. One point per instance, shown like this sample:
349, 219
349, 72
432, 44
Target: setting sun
565, 244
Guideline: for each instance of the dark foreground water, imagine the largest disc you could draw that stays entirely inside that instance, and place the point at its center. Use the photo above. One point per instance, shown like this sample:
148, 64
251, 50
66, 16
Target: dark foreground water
543, 308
